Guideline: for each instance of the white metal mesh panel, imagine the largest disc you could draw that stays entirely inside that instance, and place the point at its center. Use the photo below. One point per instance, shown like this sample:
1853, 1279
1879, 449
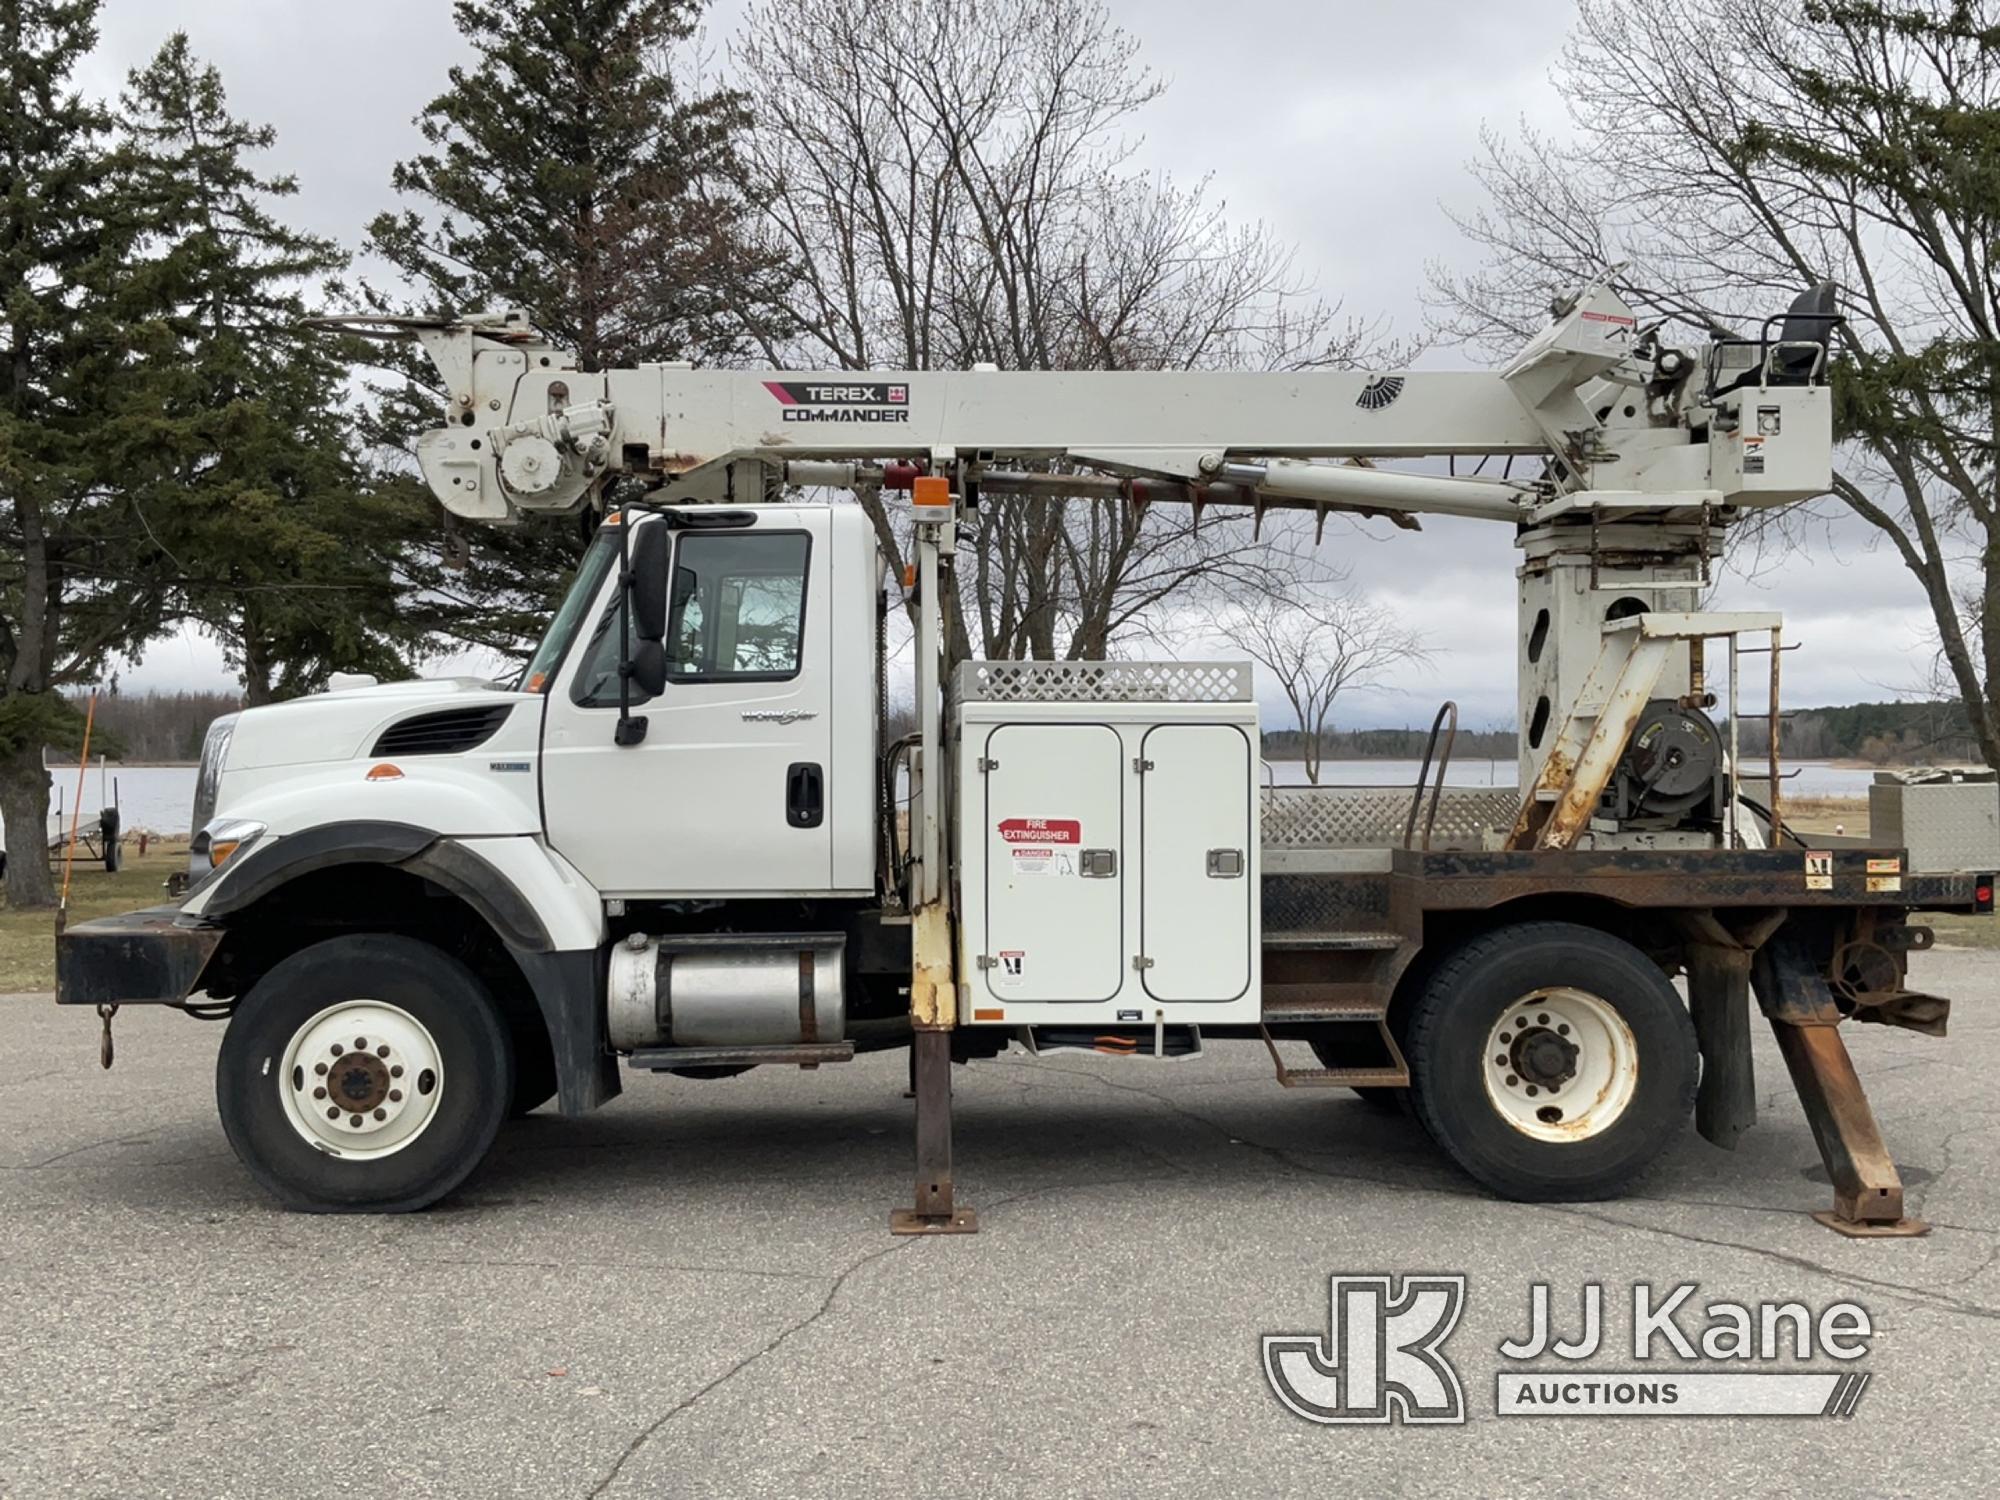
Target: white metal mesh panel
1104, 682
1357, 817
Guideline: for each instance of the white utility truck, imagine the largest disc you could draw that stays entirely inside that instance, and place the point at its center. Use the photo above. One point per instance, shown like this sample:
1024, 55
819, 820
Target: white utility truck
682, 842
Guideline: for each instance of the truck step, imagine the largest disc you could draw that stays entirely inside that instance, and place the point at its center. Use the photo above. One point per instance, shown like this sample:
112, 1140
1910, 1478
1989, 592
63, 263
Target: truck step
804, 1054
1334, 942
1344, 1078
1392, 1074
1323, 1002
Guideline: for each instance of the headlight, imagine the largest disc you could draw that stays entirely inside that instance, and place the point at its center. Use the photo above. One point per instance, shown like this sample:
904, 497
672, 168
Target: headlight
208, 780
221, 841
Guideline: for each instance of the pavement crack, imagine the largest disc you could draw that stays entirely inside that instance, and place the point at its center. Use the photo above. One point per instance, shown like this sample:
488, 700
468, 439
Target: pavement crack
49, 1161
672, 1267
1283, 1156
687, 1402
1894, 1290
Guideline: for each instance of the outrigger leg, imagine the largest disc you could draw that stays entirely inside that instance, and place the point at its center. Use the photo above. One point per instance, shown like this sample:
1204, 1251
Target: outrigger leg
933, 1010
936, 1211
933, 973
1867, 1192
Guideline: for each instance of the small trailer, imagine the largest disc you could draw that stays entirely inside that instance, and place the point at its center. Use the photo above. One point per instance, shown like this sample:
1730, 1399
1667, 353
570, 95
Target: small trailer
684, 841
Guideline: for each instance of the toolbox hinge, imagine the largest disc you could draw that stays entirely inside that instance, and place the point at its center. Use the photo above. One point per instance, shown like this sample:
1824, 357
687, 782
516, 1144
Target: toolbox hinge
1140, 961
987, 961
986, 765
1141, 764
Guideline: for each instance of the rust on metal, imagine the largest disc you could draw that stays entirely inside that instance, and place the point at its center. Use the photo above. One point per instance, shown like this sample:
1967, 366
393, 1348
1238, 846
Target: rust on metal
1867, 1192
150, 957
936, 1209
933, 988
1581, 791
1777, 719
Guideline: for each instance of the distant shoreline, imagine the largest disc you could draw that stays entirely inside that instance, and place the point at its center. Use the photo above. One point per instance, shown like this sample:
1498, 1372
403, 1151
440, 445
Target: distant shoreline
125, 765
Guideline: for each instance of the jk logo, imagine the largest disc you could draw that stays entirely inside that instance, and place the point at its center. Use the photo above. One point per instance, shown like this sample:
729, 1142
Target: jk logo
1381, 1359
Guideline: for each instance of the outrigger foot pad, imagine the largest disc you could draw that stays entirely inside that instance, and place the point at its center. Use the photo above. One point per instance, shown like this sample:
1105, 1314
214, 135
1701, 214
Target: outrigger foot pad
909, 1221
1872, 1229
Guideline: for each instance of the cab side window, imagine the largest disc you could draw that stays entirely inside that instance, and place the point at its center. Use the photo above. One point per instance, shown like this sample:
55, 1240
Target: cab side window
736, 613
738, 607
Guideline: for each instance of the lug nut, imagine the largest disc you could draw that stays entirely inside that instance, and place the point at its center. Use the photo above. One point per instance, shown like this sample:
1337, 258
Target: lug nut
396, 1071
1513, 1081
333, 1114
395, 1096
320, 1068
354, 1120
361, 1044
319, 1093
337, 1049
381, 1114
383, 1050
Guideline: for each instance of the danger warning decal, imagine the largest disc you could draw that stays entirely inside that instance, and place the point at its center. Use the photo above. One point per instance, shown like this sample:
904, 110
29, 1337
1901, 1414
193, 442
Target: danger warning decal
1041, 831
1042, 846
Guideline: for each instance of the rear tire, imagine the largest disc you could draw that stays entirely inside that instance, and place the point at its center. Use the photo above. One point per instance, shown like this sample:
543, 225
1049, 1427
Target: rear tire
1552, 1062
365, 1074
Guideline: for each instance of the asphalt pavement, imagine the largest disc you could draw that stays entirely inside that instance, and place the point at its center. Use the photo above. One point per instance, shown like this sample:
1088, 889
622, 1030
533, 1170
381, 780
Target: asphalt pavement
693, 1292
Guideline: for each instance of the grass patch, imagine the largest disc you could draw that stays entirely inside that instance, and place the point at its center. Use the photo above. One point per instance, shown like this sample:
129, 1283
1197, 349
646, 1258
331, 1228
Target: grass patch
1848, 815
1956, 931
28, 938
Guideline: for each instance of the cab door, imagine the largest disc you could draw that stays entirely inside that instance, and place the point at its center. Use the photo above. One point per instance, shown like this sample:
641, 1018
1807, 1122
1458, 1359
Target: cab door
727, 793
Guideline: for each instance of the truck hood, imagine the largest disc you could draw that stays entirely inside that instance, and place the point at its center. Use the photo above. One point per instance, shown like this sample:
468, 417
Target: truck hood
345, 725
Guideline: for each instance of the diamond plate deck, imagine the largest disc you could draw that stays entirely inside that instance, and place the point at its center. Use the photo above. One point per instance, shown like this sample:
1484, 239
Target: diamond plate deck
1103, 682
1374, 817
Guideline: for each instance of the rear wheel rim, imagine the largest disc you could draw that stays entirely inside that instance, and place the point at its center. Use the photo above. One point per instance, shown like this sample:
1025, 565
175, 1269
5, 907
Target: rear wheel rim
361, 1079
1561, 1065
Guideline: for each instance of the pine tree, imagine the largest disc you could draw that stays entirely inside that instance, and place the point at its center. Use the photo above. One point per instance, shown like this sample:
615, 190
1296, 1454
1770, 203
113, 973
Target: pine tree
290, 551
569, 174
82, 577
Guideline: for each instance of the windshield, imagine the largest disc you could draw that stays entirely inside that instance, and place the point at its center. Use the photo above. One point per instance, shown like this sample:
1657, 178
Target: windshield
590, 575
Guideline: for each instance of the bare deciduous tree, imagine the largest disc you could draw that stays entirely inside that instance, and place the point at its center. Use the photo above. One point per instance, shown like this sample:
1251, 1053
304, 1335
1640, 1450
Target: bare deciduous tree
1316, 646
1730, 153
954, 183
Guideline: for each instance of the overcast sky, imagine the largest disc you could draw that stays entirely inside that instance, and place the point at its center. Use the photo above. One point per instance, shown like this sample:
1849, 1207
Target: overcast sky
1343, 125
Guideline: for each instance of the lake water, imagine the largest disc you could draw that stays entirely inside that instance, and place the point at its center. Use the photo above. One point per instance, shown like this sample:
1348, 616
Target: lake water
1814, 778
160, 799
157, 799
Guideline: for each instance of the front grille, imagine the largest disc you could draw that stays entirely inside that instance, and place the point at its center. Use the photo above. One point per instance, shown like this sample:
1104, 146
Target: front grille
448, 732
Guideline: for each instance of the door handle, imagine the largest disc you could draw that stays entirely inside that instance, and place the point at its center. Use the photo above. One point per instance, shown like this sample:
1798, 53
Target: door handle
805, 794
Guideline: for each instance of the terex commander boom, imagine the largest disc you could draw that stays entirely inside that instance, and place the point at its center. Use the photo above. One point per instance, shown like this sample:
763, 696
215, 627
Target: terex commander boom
675, 843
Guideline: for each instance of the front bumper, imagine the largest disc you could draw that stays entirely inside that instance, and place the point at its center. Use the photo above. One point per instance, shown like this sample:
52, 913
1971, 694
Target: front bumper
150, 957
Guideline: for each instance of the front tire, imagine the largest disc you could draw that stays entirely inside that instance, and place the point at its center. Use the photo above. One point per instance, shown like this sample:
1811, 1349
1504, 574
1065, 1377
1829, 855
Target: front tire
365, 1074
1552, 1062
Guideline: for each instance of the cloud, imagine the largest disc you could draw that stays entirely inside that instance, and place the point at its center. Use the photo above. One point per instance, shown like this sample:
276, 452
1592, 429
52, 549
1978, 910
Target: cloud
1345, 127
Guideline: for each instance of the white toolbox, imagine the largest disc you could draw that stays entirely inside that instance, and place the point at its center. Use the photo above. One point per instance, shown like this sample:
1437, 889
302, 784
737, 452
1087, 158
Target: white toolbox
1107, 824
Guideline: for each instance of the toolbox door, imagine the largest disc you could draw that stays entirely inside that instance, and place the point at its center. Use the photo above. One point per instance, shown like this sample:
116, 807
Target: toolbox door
1055, 863
1197, 880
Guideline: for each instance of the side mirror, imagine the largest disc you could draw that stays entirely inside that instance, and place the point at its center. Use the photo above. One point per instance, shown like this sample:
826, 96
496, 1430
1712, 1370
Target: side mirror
649, 668
648, 562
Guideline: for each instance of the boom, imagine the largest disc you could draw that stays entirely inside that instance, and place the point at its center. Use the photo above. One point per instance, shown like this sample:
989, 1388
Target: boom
1621, 422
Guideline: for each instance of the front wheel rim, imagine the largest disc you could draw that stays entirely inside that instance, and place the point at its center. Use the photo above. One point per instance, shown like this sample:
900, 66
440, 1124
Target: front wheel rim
1561, 1065
361, 1079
